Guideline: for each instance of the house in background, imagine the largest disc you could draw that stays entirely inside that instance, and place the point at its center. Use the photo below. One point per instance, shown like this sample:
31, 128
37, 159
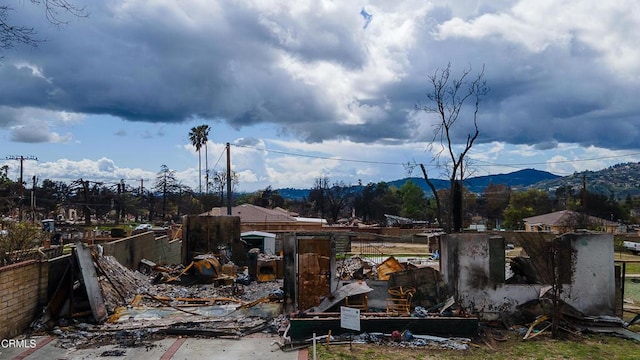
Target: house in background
256, 218
564, 221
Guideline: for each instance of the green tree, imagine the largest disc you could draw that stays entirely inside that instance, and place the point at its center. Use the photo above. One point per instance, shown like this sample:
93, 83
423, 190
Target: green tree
414, 202
8, 192
525, 204
565, 198
629, 206
267, 198
19, 239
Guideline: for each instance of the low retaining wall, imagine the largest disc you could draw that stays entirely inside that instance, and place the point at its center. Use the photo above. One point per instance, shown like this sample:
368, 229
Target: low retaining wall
23, 293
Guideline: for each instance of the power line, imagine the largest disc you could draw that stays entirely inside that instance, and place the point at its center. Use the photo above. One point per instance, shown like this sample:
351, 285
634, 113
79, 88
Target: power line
557, 161
513, 165
322, 157
224, 150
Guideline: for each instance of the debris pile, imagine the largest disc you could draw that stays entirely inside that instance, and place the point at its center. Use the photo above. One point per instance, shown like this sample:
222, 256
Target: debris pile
136, 306
540, 316
269, 267
354, 268
204, 269
358, 268
399, 339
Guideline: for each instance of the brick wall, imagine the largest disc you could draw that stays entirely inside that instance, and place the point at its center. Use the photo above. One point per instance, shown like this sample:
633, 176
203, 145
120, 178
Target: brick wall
23, 292
129, 251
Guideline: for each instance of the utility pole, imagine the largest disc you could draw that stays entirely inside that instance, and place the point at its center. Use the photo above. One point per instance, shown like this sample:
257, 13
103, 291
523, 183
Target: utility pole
21, 183
33, 200
228, 179
584, 194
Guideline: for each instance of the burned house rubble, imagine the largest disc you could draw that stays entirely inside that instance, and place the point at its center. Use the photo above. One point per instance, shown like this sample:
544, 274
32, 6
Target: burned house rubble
563, 281
97, 296
559, 281
300, 287
578, 267
387, 293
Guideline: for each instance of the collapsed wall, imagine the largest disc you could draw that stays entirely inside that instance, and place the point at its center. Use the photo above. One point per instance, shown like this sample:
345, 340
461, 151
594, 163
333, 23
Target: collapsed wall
474, 267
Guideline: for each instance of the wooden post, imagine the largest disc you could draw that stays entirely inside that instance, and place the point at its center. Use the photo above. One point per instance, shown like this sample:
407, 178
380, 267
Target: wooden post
90, 280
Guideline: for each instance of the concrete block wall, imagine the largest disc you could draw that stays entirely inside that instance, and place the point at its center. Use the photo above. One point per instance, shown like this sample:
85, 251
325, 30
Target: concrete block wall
129, 251
23, 292
205, 234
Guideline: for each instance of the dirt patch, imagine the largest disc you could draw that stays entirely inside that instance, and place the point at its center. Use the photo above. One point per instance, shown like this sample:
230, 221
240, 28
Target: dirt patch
390, 248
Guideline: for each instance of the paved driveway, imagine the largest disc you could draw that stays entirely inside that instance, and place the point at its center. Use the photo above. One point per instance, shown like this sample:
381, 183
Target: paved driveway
252, 347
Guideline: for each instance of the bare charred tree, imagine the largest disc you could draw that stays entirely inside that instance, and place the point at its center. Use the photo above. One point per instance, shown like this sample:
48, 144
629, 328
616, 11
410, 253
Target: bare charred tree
332, 199
338, 197
449, 98
318, 195
85, 197
166, 184
218, 184
56, 12
434, 192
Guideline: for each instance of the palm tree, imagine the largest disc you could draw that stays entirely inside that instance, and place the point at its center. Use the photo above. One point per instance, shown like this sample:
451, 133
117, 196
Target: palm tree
199, 135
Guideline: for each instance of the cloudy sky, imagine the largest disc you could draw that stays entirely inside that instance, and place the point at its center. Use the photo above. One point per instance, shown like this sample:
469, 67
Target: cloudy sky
310, 88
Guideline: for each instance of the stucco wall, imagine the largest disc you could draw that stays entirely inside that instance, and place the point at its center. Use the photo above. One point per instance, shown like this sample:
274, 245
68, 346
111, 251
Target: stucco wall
130, 250
466, 266
593, 288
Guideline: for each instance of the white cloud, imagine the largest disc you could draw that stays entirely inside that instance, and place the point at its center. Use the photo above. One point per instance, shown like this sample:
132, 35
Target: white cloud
101, 170
607, 27
306, 77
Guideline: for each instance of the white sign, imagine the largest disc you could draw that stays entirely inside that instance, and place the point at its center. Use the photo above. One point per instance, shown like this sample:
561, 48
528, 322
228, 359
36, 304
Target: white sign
350, 318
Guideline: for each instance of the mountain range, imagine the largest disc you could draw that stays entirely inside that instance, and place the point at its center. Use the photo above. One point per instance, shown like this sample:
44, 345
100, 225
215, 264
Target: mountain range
619, 181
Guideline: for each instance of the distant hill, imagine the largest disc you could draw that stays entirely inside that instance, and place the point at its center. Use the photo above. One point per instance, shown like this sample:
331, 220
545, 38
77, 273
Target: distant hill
515, 180
294, 194
617, 181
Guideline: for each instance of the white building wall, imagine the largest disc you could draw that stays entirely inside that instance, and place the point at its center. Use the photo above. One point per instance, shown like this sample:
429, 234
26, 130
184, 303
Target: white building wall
593, 287
466, 268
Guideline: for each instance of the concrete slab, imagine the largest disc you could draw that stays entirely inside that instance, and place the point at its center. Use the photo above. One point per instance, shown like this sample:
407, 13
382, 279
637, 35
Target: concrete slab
252, 347
246, 348
22, 346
